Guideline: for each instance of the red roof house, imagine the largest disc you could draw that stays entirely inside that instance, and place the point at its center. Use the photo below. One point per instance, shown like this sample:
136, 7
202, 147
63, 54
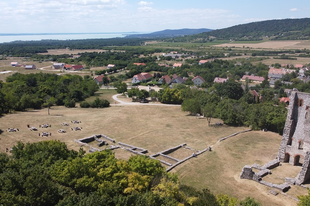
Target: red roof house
177, 64
99, 79
67, 66
166, 78
77, 67
220, 80
142, 77
203, 61
139, 64
253, 78
198, 80
286, 100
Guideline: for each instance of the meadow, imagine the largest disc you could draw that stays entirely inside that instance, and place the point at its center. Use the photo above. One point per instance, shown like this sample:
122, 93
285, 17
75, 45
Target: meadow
157, 128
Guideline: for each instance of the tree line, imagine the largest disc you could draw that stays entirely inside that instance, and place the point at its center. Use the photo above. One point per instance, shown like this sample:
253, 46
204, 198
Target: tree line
48, 173
22, 91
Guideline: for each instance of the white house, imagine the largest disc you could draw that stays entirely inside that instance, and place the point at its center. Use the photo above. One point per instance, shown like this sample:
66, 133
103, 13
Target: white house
198, 80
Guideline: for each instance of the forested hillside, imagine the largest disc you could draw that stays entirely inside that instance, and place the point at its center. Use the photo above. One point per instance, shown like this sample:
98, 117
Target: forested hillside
284, 29
169, 33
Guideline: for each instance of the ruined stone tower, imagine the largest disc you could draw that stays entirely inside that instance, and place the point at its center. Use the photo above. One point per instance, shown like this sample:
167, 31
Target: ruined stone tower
295, 144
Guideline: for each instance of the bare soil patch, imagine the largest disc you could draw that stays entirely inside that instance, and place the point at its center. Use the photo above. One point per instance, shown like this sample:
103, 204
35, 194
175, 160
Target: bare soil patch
271, 45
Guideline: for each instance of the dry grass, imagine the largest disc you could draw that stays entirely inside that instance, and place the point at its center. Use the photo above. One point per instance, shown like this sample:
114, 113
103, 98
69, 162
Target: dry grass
157, 129
300, 60
220, 170
271, 45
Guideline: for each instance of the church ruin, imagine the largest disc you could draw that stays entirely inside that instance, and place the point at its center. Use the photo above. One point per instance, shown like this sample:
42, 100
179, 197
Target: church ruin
295, 144
294, 147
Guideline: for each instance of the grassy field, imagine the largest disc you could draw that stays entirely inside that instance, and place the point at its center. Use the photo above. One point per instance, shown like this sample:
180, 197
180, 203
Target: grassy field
159, 128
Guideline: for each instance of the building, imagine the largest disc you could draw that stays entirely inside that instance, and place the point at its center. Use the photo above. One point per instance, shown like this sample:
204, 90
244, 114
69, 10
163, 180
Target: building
176, 79
177, 65
99, 79
220, 80
110, 66
139, 64
58, 65
256, 79
278, 73
14, 64
32, 66
77, 67
142, 77
286, 100
203, 62
166, 78
67, 66
295, 144
198, 80
299, 66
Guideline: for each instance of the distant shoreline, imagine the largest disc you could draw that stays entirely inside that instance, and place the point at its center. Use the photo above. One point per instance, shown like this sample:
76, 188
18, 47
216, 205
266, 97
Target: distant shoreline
10, 37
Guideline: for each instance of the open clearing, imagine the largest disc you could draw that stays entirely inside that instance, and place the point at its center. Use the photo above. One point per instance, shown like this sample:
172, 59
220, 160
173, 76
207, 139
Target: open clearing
271, 45
159, 128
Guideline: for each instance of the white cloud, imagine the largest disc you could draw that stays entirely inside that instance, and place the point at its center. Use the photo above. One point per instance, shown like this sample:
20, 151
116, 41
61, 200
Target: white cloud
294, 9
145, 3
104, 16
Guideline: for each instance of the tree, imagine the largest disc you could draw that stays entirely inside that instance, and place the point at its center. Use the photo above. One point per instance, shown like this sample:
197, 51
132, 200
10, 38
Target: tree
49, 101
208, 111
191, 105
121, 87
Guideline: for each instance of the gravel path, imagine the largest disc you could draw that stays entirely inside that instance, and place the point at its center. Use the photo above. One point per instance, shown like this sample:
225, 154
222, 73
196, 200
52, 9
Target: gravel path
115, 97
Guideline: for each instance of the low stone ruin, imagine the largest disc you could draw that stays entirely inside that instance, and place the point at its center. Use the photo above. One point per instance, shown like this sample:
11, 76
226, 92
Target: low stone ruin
86, 140
248, 173
133, 149
166, 153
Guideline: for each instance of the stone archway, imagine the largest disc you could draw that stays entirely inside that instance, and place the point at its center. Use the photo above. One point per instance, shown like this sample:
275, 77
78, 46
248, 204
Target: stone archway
287, 157
298, 160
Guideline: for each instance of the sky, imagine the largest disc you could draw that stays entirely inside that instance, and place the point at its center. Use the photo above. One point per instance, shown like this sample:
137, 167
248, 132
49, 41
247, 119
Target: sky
84, 16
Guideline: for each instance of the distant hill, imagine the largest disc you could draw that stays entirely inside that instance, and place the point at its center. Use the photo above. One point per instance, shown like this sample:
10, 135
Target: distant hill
285, 29
169, 33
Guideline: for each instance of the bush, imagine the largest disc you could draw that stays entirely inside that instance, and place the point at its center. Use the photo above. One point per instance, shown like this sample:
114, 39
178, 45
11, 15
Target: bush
84, 104
100, 103
70, 103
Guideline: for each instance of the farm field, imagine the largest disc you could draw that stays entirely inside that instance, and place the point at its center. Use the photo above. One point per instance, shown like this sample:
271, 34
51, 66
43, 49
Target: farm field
157, 129
270, 45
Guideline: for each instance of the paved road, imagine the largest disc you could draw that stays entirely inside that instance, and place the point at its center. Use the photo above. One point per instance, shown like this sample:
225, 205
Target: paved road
115, 97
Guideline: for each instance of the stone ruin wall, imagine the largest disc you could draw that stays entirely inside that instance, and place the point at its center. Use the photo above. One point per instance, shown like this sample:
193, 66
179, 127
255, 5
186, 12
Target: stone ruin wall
295, 144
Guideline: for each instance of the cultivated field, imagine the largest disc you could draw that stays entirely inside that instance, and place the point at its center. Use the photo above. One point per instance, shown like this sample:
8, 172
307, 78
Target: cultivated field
156, 129
305, 44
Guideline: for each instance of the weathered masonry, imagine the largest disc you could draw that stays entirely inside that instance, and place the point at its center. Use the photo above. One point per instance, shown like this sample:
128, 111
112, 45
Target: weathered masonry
295, 144
294, 147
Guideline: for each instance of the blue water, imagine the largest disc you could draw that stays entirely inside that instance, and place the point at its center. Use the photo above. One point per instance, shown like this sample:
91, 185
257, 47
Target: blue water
9, 37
